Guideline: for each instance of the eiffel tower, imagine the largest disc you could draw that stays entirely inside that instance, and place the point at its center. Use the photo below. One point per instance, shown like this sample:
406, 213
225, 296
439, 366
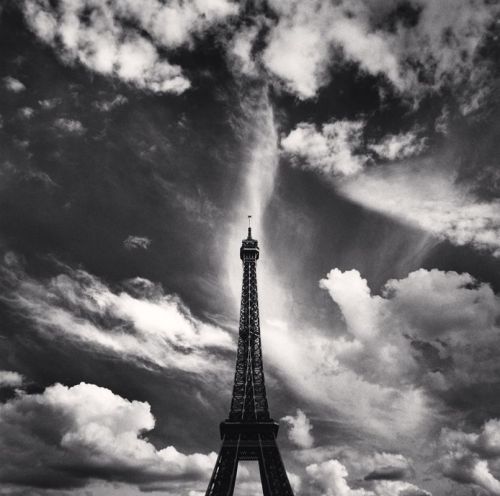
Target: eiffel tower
249, 433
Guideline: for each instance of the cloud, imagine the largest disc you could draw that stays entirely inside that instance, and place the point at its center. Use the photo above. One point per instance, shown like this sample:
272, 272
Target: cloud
399, 146
387, 466
49, 103
295, 481
10, 379
240, 50
134, 322
424, 329
333, 151
360, 463
296, 47
337, 149
306, 362
26, 112
26, 173
135, 242
398, 488
441, 124
330, 477
471, 458
13, 84
71, 126
433, 45
299, 431
315, 367
126, 40
108, 105
65, 436
429, 200
296, 43
359, 308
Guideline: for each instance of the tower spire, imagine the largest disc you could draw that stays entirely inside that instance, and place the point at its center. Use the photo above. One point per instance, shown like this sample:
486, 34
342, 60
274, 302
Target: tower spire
249, 432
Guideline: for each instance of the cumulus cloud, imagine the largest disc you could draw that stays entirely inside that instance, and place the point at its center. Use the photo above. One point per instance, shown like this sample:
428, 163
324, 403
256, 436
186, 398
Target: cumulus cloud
398, 488
10, 379
389, 409
126, 39
360, 463
336, 149
423, 329
135, 242
439, 46
429, 200
65, 436
299, 431
333, 150
13, 84
70, 126
399, 146
330, 477
296, 50
472, 458
136, 321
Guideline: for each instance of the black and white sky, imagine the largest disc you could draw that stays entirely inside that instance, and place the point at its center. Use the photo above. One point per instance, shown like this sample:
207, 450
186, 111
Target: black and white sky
364, 138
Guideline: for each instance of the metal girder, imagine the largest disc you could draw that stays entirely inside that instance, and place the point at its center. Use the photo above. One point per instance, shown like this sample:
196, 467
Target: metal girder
249, 400
258, 447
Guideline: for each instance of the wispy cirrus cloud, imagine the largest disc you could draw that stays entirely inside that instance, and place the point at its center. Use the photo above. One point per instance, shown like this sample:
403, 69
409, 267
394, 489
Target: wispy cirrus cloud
137, 321
410, 189
430, 200
108, 105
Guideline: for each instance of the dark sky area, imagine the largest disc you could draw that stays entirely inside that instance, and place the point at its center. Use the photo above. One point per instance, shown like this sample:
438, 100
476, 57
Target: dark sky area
363, 138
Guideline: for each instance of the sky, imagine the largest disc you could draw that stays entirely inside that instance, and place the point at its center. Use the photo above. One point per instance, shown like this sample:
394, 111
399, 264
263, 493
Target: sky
362, 136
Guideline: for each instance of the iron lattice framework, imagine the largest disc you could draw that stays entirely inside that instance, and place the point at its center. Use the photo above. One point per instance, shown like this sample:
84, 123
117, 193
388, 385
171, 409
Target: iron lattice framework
249, 433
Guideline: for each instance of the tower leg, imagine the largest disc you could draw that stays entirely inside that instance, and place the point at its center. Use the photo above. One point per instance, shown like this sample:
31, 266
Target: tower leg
226, 467
272, 470
260, 447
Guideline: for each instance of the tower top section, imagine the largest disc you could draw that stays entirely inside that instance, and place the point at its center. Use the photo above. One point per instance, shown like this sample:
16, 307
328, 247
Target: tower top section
249, 251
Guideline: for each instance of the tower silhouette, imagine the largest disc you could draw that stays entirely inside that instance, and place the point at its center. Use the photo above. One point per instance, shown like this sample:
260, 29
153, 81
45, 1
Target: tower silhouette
249, 433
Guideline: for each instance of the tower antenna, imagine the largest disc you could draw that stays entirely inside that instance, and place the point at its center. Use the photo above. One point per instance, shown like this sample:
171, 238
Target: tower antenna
249, 226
